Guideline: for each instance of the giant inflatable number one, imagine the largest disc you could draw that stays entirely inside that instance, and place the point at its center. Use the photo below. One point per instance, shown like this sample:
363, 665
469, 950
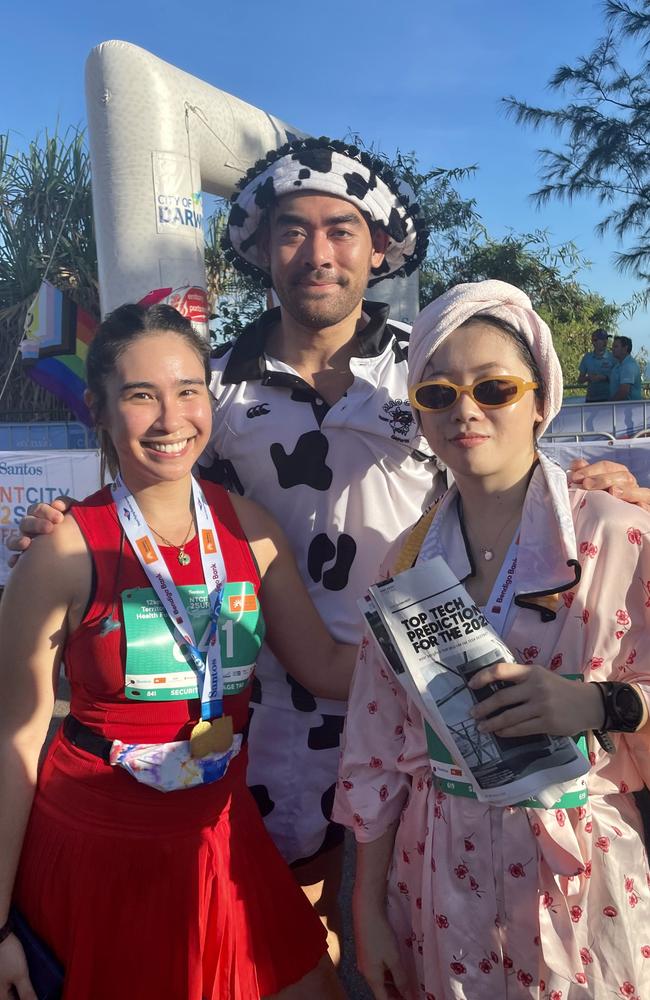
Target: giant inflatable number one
159, 138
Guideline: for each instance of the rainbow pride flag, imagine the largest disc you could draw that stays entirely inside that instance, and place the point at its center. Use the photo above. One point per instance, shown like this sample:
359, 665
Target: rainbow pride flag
54, 347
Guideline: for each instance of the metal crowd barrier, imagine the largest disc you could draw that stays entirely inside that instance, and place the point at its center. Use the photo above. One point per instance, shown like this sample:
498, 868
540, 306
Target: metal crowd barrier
45, 436
618, 432
633, 453
623, 419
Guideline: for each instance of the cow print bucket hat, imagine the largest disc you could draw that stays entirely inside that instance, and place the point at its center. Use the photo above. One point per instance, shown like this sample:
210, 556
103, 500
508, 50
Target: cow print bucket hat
326, 166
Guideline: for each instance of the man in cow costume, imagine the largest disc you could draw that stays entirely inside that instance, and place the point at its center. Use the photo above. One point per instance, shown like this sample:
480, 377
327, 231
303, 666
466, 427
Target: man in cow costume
312, 421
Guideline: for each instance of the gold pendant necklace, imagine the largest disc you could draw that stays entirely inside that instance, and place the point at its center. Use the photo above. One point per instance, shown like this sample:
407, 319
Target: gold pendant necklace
182, 555
487, 551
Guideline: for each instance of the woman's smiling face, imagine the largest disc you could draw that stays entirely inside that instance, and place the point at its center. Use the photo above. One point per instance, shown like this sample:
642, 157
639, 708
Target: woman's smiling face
494, 444
157, 411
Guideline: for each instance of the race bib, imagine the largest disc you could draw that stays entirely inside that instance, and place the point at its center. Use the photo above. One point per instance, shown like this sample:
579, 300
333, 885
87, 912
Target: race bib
156, 666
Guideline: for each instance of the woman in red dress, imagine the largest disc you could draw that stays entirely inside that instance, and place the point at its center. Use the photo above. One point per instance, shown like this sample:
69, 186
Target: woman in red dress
168, 892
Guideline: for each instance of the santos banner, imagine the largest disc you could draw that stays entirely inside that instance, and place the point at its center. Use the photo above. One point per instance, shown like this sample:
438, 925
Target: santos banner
28, 477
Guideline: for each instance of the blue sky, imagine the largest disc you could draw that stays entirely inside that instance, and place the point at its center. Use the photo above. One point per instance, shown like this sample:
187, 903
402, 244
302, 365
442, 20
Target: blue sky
429, 79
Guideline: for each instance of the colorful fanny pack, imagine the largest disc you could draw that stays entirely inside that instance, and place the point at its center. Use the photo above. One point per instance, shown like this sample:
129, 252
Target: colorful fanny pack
168, 767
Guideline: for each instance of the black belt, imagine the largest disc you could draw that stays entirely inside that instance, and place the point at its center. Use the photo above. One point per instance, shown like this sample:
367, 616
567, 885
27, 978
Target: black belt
90, 741
86, 739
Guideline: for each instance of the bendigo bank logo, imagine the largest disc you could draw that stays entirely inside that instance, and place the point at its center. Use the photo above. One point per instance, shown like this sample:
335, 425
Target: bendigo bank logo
209, 544
146, 549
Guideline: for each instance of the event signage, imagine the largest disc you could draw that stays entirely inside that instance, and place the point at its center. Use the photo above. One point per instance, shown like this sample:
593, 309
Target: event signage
179, 207
28, 477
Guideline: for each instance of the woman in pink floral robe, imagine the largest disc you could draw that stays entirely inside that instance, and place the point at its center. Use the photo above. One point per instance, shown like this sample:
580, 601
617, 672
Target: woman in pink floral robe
492, 902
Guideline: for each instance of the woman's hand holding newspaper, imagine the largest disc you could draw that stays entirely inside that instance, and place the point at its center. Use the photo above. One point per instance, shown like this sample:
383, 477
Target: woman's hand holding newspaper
535, 701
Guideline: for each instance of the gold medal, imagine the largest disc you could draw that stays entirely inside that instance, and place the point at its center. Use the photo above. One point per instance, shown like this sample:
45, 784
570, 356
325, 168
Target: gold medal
211, 737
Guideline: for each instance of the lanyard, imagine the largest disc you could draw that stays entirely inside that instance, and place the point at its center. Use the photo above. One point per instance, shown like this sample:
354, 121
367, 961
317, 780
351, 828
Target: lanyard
498, 603
146, 549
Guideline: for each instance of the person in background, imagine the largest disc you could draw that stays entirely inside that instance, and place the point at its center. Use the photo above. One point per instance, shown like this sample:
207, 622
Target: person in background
625, 377
596, 367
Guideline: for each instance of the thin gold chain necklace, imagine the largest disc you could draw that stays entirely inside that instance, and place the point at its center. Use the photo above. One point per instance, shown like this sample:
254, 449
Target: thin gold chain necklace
487, 551
182, 555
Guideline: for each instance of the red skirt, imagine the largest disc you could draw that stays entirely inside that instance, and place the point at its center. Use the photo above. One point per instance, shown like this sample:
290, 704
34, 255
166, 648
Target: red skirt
145, 894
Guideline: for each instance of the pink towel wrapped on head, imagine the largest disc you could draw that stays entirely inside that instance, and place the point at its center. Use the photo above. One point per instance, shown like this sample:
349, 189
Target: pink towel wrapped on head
487, 298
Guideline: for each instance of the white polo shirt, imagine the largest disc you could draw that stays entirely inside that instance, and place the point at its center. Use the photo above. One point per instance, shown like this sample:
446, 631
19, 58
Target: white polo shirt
341, 480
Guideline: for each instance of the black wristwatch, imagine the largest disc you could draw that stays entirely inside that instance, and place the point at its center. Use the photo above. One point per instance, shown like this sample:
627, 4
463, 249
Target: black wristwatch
623, 709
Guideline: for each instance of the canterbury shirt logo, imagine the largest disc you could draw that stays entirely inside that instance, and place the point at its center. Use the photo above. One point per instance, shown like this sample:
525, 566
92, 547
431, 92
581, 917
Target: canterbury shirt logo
258, 411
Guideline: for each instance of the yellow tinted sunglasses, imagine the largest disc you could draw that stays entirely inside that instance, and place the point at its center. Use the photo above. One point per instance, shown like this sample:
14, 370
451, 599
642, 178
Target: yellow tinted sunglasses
437, 395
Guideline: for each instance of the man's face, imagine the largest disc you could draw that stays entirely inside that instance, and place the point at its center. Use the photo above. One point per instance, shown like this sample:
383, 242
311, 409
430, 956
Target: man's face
320, 252
599, 345
619, 350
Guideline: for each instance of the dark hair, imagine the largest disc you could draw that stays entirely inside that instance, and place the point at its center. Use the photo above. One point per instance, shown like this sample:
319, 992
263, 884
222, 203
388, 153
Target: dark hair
625, 341
522, 347
118, 330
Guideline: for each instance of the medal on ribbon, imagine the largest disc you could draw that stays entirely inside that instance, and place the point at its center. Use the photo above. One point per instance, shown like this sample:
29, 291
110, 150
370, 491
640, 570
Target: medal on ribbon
214, 733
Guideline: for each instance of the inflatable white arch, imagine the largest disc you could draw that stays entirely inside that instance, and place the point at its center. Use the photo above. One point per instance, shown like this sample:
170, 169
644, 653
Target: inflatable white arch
159, 138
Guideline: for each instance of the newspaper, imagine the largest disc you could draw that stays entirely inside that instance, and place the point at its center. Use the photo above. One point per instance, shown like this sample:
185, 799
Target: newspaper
435, 639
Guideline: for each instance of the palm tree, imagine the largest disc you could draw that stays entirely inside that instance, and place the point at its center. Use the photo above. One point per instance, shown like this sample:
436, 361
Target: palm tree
46, 229
236, 298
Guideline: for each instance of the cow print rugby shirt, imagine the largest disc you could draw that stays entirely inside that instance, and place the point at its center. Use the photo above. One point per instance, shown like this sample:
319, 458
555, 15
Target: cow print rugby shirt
341, 480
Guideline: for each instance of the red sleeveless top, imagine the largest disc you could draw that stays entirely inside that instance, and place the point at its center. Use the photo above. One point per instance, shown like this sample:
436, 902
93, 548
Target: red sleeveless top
95, 657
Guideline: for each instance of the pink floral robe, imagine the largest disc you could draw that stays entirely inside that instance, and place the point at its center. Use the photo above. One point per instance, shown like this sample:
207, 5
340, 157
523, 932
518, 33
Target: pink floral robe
491, 902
